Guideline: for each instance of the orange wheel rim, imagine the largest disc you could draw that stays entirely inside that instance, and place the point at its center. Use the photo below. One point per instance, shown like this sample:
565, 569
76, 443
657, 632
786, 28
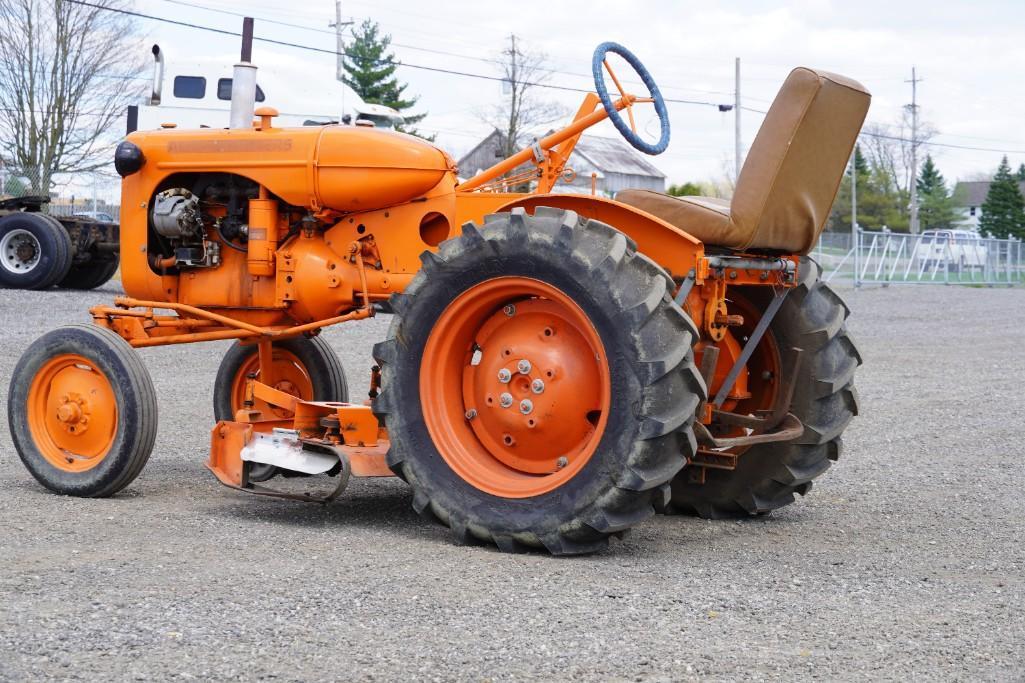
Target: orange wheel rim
290, 376
515, 388
72, 413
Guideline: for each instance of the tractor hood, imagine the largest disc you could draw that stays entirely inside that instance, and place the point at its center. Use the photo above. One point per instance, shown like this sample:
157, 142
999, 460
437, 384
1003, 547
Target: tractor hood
345, 168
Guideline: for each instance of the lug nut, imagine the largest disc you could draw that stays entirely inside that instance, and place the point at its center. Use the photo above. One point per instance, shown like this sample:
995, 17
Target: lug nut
523, 366
471, 413
505, 400
561, 462
504, 376
526, 405
509, 310
537, 386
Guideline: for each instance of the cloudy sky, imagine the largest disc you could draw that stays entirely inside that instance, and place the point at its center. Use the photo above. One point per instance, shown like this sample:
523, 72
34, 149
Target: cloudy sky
970, 55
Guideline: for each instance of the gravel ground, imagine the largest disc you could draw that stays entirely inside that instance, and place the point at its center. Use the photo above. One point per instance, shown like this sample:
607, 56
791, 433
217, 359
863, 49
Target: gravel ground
905, 562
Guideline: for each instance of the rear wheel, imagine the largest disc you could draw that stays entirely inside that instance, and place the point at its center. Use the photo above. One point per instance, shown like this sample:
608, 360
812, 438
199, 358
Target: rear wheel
35, 251
767, 476
303, 367
538, 383
90, 274
82, 411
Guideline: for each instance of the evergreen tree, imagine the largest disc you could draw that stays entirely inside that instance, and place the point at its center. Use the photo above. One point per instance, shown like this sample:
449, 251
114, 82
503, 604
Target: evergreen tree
935, 208
840, 215
1003, 212
1020, 175
370, 68
687, 189
881, 202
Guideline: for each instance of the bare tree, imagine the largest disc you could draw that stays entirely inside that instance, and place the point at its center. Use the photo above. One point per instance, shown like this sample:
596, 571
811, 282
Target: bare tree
523, 70
888, 149
64, 83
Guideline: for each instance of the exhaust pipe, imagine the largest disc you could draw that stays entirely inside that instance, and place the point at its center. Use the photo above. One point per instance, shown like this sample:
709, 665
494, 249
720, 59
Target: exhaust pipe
243, 82
158, 76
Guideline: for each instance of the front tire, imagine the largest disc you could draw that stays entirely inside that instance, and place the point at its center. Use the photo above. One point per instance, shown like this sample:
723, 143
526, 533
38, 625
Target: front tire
504, 346
82, 411
304, 367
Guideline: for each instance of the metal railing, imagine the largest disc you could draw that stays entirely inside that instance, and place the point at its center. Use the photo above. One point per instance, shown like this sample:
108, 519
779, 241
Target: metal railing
932, 257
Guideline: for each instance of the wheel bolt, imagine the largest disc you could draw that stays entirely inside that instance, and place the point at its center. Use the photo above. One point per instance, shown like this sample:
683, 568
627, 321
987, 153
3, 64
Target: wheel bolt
537, 386
523, 366
526, 405
471, 413
505, 400
509, 310
561, 462
504, 376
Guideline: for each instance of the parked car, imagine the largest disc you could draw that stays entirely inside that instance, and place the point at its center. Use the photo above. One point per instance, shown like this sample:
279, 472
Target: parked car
954, 250
101, 216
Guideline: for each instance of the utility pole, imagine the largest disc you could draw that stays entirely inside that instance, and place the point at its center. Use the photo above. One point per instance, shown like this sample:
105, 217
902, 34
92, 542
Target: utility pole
736, 119
914, 150
338, 25
854, 194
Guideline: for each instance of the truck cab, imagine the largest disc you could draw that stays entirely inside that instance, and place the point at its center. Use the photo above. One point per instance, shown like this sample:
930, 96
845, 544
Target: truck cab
197, 94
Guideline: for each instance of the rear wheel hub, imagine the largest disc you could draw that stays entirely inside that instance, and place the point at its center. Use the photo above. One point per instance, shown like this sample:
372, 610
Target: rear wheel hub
515, 387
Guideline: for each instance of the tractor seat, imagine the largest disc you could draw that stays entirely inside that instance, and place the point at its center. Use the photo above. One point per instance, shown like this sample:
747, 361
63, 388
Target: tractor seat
790, 178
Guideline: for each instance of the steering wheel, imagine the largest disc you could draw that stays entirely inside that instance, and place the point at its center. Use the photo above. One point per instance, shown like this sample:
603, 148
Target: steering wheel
629, 131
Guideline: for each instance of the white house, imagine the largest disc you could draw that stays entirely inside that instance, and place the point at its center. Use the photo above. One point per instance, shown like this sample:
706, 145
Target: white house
968, 198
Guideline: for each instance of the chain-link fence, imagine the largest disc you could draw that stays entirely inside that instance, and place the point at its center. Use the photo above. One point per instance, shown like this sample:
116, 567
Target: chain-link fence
93, 193
932, 257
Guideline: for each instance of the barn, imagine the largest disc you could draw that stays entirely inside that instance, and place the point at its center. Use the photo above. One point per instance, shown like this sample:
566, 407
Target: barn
614, 164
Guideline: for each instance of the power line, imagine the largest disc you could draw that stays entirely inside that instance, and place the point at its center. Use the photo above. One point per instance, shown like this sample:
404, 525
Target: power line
335, 53
467, 74
418, 48
899, 138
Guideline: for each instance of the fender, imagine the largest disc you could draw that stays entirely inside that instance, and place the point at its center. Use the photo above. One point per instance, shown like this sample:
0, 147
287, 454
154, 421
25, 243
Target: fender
670, 247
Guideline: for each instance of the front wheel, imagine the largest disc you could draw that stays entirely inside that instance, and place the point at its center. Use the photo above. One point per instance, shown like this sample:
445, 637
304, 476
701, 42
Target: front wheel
304, 367
82, 411
538, 383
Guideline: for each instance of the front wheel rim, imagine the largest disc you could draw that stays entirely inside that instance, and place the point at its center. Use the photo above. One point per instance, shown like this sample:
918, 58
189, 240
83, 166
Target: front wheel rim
515, 387
72, 413
19, 252
290, 376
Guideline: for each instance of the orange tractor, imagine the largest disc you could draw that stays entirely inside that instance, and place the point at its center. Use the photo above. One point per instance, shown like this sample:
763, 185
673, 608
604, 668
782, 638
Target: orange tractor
558, 367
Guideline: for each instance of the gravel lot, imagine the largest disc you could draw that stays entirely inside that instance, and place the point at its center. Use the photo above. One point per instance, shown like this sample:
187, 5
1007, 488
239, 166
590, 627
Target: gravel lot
905, 562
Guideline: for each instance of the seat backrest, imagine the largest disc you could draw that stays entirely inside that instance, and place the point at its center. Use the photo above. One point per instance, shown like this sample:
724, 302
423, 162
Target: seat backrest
794, 167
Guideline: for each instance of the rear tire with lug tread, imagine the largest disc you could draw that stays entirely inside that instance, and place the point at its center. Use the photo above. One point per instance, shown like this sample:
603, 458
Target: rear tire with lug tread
82, 411
812, 318
601, 294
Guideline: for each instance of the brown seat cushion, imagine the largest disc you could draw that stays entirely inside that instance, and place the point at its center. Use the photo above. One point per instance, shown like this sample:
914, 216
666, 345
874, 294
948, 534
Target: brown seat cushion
705, 218
791, 176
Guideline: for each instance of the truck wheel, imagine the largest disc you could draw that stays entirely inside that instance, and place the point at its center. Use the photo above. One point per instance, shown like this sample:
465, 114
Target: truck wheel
35, 251
812, 318
82, 411
538, 383
304, 367
91, 274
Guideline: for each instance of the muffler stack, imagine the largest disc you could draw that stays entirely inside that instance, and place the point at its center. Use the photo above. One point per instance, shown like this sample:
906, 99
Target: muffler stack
243, 82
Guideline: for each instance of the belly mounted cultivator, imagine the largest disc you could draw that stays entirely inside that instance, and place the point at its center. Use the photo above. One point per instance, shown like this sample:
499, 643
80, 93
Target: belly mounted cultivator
558, 367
